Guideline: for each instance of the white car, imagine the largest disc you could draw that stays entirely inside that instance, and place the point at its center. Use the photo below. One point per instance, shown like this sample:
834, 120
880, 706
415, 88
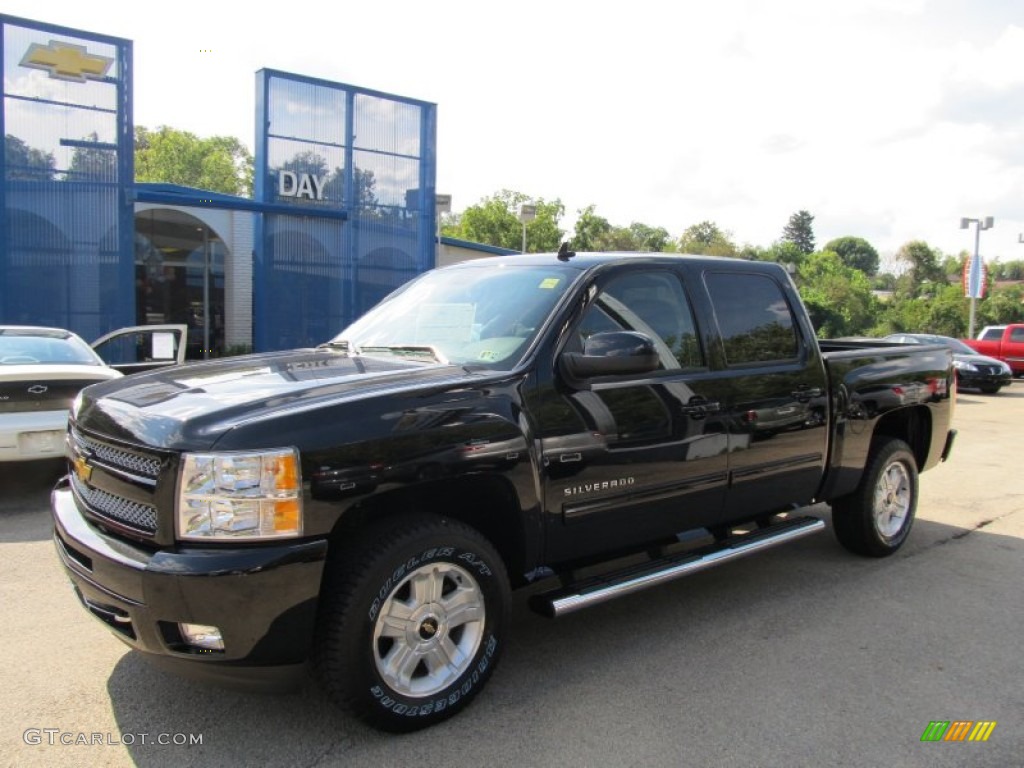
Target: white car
42, 370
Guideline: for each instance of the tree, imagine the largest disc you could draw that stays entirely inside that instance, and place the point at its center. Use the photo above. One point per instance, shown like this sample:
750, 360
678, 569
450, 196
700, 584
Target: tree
706, 238
25, 162
800, 232
495, 221
923, 269
219, 163
591, 231
838, 297
595, 233
88, 164
783, 252
646, 238
856, 252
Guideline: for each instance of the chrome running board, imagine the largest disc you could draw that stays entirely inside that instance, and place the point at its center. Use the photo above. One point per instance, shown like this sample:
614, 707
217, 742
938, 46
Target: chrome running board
607, 586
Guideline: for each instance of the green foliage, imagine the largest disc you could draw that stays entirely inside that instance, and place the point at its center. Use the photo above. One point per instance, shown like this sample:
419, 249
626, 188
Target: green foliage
88, 164
924, 273
219, 163
838, 297
495, 221
25, 162
1006, 270
855, 252
783, 252
800, 232
706, 238
595, 233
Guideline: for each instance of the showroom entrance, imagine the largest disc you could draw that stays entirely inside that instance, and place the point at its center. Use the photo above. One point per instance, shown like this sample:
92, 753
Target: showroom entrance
179, 277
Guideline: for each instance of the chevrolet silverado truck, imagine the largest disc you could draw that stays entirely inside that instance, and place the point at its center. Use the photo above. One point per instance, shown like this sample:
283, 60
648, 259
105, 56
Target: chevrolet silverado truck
586, 425
1003, 342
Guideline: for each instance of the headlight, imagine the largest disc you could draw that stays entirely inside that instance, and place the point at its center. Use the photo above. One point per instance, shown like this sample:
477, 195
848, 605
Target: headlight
963, 365
240, 496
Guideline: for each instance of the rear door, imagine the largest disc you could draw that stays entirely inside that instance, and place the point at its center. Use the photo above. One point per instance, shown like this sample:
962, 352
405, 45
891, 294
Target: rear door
773, 389
143, 347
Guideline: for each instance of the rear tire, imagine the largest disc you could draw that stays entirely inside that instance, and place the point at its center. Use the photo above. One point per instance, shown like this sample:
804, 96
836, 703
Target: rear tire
876, 518
411, 621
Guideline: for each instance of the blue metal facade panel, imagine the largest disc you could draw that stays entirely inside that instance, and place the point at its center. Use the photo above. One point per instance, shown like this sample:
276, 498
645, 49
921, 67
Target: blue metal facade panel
369, 156
66, 253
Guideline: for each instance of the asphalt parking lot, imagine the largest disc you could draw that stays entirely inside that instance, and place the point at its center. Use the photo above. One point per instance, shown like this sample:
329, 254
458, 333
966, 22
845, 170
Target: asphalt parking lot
800, 656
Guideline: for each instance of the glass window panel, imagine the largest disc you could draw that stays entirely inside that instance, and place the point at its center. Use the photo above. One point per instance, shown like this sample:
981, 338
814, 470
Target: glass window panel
754, 318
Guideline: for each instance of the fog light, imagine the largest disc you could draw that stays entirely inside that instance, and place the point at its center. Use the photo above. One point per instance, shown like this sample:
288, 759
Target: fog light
202, 636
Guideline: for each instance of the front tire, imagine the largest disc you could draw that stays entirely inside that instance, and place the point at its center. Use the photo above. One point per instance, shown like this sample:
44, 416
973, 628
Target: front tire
876, 518
411, 622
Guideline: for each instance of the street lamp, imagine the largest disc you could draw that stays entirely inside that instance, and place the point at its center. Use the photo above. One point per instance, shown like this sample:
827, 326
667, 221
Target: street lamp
527, 212
975, 275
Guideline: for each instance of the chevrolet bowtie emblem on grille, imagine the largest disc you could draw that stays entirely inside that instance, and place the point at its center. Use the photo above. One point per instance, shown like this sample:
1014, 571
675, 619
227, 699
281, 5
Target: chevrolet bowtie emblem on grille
82, 469
38, 389
66, 61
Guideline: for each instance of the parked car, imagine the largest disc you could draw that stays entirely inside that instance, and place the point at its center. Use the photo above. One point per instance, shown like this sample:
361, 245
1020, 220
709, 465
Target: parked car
973, 369
42, 370
1003, 342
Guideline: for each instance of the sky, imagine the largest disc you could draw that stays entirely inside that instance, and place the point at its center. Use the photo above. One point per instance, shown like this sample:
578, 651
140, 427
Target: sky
886, 119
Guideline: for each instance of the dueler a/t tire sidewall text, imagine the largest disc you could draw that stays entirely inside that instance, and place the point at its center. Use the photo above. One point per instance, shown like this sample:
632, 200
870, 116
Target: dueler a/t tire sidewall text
345, 651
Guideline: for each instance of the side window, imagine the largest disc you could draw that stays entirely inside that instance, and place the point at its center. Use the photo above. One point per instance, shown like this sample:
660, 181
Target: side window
754, 317
1017, 334
652, 303
993, 333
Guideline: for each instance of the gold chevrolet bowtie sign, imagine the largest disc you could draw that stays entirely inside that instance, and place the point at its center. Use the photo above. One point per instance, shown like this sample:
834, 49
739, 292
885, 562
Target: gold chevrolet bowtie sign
65, 61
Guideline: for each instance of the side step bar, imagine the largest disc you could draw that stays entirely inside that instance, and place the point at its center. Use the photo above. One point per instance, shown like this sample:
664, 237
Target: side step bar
605, 587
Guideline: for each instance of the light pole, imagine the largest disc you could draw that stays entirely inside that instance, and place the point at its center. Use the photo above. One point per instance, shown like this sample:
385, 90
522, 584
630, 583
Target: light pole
975, 275
527, 212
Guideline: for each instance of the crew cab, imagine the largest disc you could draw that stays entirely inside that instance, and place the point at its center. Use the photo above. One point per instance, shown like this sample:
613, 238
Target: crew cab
588, 424
1003, 342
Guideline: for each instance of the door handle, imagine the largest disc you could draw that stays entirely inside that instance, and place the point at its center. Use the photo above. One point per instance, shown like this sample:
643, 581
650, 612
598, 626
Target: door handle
803, 394
698, 408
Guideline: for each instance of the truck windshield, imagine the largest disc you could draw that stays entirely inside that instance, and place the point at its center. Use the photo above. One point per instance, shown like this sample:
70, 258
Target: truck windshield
486, 316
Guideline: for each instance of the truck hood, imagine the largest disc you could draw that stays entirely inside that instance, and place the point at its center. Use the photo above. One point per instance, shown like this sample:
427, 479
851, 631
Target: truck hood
190, 407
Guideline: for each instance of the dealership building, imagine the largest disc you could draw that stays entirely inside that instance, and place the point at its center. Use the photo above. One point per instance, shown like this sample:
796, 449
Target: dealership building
344, 206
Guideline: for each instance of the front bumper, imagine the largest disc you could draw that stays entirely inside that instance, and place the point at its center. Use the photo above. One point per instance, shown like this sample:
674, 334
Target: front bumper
263, 599
974, 379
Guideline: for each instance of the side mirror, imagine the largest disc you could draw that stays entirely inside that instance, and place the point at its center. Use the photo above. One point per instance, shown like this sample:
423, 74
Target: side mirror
617, 353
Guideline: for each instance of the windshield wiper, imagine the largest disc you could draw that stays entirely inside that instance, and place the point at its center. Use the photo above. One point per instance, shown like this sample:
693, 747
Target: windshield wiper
412, 351
341, 344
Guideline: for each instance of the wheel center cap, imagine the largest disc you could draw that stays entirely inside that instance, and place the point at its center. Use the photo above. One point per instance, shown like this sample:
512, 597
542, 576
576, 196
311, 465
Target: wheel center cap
428, 628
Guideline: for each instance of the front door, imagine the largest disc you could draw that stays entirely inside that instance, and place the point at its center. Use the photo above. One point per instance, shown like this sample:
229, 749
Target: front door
633, 459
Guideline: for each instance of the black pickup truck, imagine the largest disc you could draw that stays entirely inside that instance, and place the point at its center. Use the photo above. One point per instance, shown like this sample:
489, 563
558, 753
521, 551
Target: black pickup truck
586, 424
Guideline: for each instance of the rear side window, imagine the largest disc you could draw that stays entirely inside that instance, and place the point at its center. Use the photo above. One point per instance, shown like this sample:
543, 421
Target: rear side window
754, 317
993, 333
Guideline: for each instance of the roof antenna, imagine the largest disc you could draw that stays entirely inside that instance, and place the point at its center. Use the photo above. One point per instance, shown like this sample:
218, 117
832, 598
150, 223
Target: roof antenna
564, 254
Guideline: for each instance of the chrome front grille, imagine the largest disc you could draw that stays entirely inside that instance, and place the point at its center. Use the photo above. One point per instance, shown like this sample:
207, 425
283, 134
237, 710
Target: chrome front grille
141, 517
118, 458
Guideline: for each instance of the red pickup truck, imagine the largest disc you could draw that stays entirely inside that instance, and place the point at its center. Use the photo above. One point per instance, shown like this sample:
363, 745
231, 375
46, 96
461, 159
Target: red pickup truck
1004, 342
